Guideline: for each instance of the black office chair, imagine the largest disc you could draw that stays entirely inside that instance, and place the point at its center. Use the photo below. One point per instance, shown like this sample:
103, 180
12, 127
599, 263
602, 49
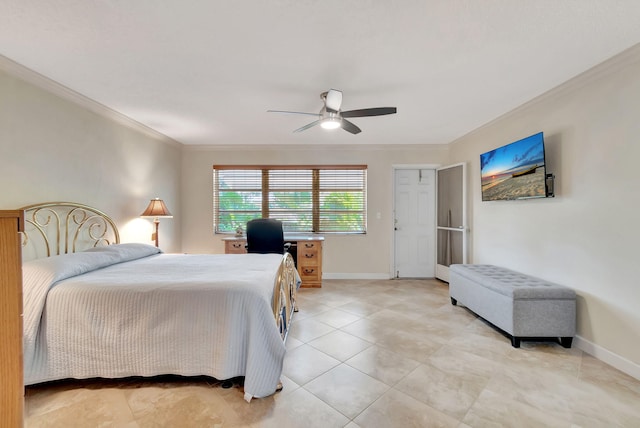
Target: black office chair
265, 235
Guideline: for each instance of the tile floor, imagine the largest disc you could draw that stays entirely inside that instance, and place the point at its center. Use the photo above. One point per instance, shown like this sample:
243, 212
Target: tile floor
384, 353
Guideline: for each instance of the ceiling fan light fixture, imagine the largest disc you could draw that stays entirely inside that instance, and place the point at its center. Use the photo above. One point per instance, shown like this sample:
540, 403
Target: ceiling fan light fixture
331, 123
331, 116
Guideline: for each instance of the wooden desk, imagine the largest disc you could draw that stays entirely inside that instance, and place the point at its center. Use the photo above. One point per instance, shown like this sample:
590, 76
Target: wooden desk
11, 380
306, 251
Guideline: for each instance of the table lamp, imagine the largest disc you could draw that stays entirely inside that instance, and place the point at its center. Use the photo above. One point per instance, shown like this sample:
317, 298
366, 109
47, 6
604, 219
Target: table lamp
156, 209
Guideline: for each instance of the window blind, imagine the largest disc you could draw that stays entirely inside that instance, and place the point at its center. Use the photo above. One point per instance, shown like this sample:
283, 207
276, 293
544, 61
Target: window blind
321, 199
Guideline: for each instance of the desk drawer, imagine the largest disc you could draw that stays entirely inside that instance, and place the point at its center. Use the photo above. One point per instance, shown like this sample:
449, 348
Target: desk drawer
235, 247
308, 257
309, 275
309, 245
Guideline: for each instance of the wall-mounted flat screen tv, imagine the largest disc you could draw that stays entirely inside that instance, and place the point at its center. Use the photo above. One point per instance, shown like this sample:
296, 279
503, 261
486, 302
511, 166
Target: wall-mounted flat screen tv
514, 171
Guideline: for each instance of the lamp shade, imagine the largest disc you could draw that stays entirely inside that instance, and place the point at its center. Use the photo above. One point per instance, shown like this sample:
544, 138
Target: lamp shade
157, 208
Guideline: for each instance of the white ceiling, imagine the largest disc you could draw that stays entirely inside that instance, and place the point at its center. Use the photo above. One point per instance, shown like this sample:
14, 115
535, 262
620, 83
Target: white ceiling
206, 71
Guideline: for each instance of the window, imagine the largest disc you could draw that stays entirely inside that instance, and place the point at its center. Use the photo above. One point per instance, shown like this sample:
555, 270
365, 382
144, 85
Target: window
305, 198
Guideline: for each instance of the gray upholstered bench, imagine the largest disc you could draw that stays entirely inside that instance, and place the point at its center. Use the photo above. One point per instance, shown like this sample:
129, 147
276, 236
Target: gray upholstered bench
520, 305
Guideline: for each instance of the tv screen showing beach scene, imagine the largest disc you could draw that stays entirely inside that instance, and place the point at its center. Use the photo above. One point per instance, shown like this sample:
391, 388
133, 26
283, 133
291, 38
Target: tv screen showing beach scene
514, 171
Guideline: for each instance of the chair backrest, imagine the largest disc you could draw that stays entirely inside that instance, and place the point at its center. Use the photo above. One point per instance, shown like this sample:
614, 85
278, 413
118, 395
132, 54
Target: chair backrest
265, 235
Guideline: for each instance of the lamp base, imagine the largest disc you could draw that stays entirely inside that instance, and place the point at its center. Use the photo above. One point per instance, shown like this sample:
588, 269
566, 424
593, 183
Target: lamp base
154, 235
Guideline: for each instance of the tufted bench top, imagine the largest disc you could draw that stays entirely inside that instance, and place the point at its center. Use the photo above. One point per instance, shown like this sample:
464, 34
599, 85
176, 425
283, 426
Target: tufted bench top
513, 284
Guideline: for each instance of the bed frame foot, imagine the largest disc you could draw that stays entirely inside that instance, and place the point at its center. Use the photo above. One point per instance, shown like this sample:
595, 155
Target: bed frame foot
515, 342
454, 302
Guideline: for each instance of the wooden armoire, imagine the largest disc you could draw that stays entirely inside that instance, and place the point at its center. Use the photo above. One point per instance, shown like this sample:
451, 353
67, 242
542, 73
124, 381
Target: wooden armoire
11, 369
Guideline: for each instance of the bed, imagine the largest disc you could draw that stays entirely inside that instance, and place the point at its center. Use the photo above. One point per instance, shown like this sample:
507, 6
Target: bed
94, 307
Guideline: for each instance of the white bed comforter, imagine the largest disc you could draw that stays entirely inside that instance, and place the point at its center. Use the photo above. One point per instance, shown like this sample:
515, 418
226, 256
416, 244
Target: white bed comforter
125, 310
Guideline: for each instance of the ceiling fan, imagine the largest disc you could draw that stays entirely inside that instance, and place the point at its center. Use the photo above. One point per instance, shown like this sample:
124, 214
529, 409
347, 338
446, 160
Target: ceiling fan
331, 117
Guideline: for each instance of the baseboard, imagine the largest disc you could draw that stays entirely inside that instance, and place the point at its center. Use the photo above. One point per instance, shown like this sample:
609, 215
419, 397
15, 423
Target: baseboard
355, 275
614, 360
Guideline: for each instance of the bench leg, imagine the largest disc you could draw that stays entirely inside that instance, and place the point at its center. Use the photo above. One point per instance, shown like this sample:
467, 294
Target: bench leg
515, 342
454, 301
566, 342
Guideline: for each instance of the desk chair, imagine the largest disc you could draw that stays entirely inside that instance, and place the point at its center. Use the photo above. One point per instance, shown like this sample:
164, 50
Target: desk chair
265, 235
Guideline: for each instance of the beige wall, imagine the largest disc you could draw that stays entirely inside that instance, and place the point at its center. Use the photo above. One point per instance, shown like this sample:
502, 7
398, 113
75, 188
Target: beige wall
344, 255
52, 149
587, 236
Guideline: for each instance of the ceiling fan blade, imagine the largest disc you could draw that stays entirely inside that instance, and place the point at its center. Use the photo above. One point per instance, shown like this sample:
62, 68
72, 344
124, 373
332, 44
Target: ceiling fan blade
333, 100
293, 112
376, 111
314, 123
350, 127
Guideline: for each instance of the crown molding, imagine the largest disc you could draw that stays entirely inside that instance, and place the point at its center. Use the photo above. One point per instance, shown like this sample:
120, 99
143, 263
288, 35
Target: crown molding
26, 74
608, 67
314, 147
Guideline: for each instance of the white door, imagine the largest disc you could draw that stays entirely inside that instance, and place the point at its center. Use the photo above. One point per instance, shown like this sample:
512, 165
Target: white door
414, 223
451, 218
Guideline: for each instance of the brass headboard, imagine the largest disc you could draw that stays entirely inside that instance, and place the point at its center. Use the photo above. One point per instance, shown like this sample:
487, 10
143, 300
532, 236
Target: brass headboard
54, 228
